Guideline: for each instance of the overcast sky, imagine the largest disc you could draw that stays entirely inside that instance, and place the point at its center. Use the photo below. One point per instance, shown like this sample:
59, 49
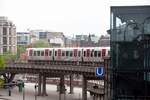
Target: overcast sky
68, 16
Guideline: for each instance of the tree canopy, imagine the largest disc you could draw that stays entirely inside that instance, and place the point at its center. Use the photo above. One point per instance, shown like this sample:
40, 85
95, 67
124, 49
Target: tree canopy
2, 62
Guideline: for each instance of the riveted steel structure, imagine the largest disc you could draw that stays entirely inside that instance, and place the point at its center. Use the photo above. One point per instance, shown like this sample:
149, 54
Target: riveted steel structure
130, 52
56, 70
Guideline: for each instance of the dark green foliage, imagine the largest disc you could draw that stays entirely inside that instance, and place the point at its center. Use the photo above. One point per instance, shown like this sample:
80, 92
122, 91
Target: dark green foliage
2, 62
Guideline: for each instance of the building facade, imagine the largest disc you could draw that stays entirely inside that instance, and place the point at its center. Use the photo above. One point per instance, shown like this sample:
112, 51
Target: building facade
23, 38
56, 39
8, 41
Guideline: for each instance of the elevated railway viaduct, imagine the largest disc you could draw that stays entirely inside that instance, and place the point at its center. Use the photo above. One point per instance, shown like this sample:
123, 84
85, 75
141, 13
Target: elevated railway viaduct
57, 70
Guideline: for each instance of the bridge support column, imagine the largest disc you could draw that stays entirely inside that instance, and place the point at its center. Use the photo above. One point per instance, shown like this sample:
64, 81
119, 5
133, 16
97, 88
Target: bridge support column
39, 85
94, 97
62, 85
84, 88
101, 97
71, 84
44, 86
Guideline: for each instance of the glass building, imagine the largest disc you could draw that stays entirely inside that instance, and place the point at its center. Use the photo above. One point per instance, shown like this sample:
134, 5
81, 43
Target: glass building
130, 52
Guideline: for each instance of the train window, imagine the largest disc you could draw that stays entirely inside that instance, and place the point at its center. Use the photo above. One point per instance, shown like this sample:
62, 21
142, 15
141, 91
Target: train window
42, 53
84, 53
91, 54
71, 53
55, 53
34, 53
79, 53
50, 53
108, 52
67, 53
38, 53
99, 53
95, 53
63, 53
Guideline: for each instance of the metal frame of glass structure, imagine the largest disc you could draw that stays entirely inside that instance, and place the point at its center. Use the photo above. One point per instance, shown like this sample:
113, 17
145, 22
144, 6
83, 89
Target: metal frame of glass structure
130, 52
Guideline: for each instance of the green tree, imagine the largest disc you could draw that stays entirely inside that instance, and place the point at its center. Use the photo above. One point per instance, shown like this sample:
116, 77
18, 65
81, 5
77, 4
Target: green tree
9, 57
20, 50
2, 62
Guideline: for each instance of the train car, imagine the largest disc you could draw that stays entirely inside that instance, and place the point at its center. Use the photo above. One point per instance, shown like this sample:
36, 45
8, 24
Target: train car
72, 55
40, 54
95, 54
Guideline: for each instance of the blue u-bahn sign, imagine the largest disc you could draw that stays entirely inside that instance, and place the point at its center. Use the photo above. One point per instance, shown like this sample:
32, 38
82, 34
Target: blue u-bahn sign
99, 71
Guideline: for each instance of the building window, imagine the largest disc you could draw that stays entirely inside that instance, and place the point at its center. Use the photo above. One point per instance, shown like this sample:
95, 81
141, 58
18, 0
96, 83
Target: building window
42, 35
10, 40
4, 31
4, 49
9, 31
4, 40
26, 38
10, 48
18, 38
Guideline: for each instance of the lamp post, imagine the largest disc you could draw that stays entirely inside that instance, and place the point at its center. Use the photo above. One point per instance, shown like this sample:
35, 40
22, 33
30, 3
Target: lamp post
35, 91
23, 93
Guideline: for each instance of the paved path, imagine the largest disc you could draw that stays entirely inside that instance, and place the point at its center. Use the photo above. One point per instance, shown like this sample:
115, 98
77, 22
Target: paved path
51, 91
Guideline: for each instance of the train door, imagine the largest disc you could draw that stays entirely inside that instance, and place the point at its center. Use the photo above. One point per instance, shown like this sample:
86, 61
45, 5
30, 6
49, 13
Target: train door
75, 58
88, 55
30, 54
103, 52
92, 55
46, 54
59, 54
63, 57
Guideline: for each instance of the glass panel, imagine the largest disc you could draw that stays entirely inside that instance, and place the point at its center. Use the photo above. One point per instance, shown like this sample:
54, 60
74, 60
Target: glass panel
95, 53
79, 53
50, 53
38, 53
42, 53
67, 53
71, 53
55, 53
34, 53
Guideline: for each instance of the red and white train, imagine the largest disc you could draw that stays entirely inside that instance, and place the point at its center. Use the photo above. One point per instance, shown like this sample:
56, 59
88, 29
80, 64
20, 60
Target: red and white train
75, 54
